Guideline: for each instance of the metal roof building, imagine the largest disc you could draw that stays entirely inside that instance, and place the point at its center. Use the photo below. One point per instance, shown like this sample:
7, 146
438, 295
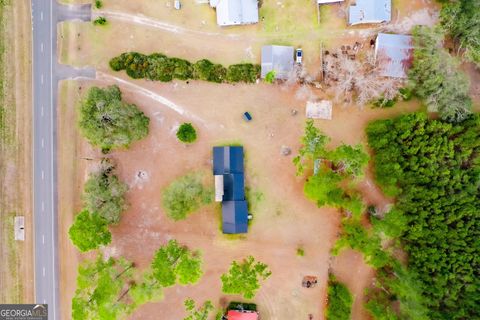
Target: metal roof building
394, 54
370, 11
235, 12
278, 59
228, 167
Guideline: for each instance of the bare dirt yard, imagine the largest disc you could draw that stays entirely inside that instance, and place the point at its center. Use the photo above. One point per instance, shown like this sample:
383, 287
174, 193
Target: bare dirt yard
284, 219
16, 267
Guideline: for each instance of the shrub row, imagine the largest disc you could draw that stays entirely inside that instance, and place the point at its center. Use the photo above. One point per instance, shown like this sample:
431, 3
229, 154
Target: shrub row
159, 67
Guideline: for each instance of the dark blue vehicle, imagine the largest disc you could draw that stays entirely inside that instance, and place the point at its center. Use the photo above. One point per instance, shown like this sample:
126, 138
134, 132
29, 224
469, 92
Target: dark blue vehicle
247, 116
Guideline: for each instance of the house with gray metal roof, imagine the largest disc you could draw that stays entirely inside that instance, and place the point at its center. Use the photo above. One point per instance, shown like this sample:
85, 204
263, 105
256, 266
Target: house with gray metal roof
370, 11
279, 59
228, 170
235, 12
394, 54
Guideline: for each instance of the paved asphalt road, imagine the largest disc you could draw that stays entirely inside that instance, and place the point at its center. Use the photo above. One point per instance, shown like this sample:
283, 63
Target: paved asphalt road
46, 73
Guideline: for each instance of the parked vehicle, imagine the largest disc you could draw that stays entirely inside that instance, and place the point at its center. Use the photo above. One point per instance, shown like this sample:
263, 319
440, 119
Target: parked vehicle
247, 117
298, 56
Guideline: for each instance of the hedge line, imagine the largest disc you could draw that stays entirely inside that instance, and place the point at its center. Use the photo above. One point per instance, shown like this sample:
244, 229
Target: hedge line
159, 67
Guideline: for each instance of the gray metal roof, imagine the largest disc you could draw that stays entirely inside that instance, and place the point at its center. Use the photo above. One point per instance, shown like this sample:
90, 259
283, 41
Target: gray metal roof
370, 11
394, 53
278, 58
235, 12
234, 217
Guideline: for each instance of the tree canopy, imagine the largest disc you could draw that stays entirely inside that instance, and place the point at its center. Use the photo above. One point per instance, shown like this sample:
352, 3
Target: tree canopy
461, 18
159, 67
185, 195
200, 313
89, 231
339, 301
433, 168
334, 170
174, 263
104, 193
244, 278
108, 122
186, 133
100, 292
435, 77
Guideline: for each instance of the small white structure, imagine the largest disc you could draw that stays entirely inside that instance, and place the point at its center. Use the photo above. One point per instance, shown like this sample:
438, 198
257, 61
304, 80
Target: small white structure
219, 190
235, 12
319, 110
19, 228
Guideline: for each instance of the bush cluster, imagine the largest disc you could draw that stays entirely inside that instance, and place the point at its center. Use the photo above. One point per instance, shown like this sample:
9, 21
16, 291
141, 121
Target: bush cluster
159, 67
340, 301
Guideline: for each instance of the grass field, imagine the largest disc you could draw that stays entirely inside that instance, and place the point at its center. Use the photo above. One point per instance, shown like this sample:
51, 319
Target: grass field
16, 272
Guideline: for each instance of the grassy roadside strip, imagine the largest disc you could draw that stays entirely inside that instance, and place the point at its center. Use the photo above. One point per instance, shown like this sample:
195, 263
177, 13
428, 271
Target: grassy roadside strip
16, 274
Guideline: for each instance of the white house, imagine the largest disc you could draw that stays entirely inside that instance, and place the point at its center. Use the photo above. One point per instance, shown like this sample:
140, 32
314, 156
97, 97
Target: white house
370, 11
235, 12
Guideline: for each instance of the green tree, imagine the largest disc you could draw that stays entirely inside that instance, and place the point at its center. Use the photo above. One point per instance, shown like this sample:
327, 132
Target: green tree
186, 133
339, 301
174, 263
313, 146
461, 18
244, 278
89, 231
100, 292
108, 122
100, 21
436, 79
104, 193
98, 4
185, 195
350, 160
201, 313
270, 77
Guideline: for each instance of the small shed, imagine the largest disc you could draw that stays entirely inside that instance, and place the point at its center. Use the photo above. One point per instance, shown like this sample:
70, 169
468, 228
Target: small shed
394, 54
370, 11
19, 228
235, 12
319, 109
279, 59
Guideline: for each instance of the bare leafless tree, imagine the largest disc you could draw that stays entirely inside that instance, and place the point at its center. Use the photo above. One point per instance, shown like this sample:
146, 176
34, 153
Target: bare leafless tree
356, 79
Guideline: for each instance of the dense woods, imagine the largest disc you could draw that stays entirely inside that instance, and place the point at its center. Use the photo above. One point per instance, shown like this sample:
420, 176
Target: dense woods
433, 168
461, 19
435, 76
